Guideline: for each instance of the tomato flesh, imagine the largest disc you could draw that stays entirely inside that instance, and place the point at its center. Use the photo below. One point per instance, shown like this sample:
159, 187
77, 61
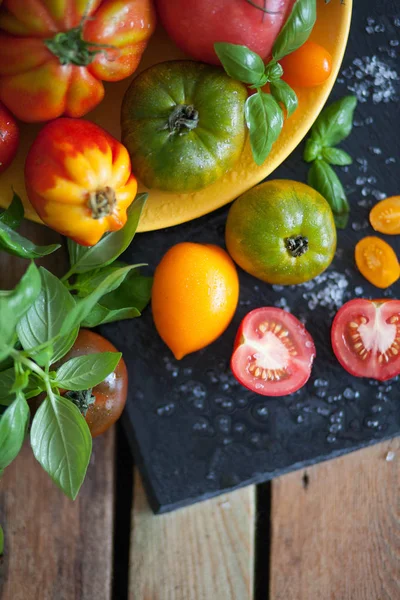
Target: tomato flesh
366, 338
273, 352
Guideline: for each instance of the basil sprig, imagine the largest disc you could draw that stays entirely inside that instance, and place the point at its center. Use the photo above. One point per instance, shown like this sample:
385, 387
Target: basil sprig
263, 112
39, 321
333, 125
14, 243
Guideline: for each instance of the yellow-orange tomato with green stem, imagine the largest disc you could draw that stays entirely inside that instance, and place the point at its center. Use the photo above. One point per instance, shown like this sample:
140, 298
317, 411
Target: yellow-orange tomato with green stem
78, 179
308, 66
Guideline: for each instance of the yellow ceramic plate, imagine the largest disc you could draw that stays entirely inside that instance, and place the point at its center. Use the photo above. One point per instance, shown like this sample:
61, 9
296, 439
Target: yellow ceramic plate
165, 209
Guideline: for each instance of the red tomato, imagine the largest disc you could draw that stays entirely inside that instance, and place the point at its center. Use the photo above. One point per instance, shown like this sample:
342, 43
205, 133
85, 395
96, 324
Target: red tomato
308, 66
54, 54
9, 138
195, 25
78, 179
273, 352
366, 338
110, 395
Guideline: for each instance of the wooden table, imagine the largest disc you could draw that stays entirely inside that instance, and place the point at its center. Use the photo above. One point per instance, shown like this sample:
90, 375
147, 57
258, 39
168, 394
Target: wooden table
331, 532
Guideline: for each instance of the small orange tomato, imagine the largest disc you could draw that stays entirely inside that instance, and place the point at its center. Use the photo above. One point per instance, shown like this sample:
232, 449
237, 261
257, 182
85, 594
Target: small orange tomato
385, 216
308, 66
377, 261
78, 179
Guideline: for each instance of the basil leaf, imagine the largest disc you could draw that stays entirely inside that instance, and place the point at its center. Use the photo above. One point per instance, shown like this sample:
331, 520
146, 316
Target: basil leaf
86, 283
336, 156
14, 243
264, 120
100, 315
312, 150
13, 425
84, 372
43, 321
297, 28
241, 63
324, 179
7, 385
14, 214
110, 246
85, 305
283, 93
335, 122
62, 443
14, 303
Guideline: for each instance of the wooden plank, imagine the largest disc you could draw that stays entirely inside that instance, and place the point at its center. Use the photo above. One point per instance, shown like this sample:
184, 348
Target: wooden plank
336, 529
55, 549
203, 552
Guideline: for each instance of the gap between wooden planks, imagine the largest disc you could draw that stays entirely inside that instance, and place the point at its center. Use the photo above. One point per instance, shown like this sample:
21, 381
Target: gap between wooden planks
336, 529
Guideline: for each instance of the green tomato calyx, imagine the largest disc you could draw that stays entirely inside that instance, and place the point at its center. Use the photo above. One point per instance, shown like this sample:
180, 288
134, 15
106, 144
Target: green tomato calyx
82, 400
70, 47
182, 119
296, 245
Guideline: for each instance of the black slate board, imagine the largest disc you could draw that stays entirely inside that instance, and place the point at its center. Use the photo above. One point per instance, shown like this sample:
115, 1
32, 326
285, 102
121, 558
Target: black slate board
195, 432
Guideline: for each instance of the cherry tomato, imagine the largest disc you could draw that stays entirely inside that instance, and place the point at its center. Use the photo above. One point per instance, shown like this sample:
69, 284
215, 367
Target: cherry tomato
9, 138
385, 216
308, 66
366, 338
78, 179
273, 352
377, 261
110, 395
195, 25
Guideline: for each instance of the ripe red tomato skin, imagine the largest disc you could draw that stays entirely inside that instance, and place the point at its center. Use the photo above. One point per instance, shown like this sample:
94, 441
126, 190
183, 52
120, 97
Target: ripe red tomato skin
339, 346
111, 394
302, 375
195, 25
9, 138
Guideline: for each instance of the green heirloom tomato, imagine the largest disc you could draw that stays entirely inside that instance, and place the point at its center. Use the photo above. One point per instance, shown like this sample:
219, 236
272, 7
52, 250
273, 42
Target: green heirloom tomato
282, 232
183, 125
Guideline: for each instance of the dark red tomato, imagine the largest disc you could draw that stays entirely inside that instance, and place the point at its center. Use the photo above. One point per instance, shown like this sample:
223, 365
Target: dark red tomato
195, 25
273, 352
110, 395
366, 338
9, 138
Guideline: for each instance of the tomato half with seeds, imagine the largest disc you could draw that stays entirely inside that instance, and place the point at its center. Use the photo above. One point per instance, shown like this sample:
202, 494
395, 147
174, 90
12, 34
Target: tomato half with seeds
273, 352
110, 395
385, 216
366, 338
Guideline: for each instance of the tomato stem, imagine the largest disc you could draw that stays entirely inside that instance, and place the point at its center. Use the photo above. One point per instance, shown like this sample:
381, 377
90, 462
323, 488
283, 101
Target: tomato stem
82, 399
102, 202
296, 245
184, 117
70, 47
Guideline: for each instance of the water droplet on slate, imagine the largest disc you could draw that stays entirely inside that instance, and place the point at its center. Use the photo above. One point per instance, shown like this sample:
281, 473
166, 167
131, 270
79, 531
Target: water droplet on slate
239, 427
260, 412
166, 409
331, 438
225, 404
223, 423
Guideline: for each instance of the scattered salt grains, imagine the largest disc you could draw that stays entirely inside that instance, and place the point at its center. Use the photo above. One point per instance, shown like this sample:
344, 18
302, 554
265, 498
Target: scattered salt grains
375, 150
358, 291
390, 456
321, 382
357, 226
282, 303
390, 160
369, 77
326, 290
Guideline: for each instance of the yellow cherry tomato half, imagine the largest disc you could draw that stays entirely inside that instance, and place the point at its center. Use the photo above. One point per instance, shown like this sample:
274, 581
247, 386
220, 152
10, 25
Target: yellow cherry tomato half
377, 261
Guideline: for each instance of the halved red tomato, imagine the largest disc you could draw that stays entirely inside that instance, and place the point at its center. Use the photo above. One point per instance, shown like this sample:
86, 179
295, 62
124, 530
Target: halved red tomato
273, 352
366, 338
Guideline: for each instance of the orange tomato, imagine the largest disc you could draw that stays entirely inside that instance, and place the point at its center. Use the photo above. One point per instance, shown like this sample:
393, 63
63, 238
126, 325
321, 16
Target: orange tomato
194, 297
385, 216
308, 66
377, 261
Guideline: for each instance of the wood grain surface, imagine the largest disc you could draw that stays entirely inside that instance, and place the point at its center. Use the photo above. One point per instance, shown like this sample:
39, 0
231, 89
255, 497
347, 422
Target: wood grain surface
336, 529
55, 549
203, 552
